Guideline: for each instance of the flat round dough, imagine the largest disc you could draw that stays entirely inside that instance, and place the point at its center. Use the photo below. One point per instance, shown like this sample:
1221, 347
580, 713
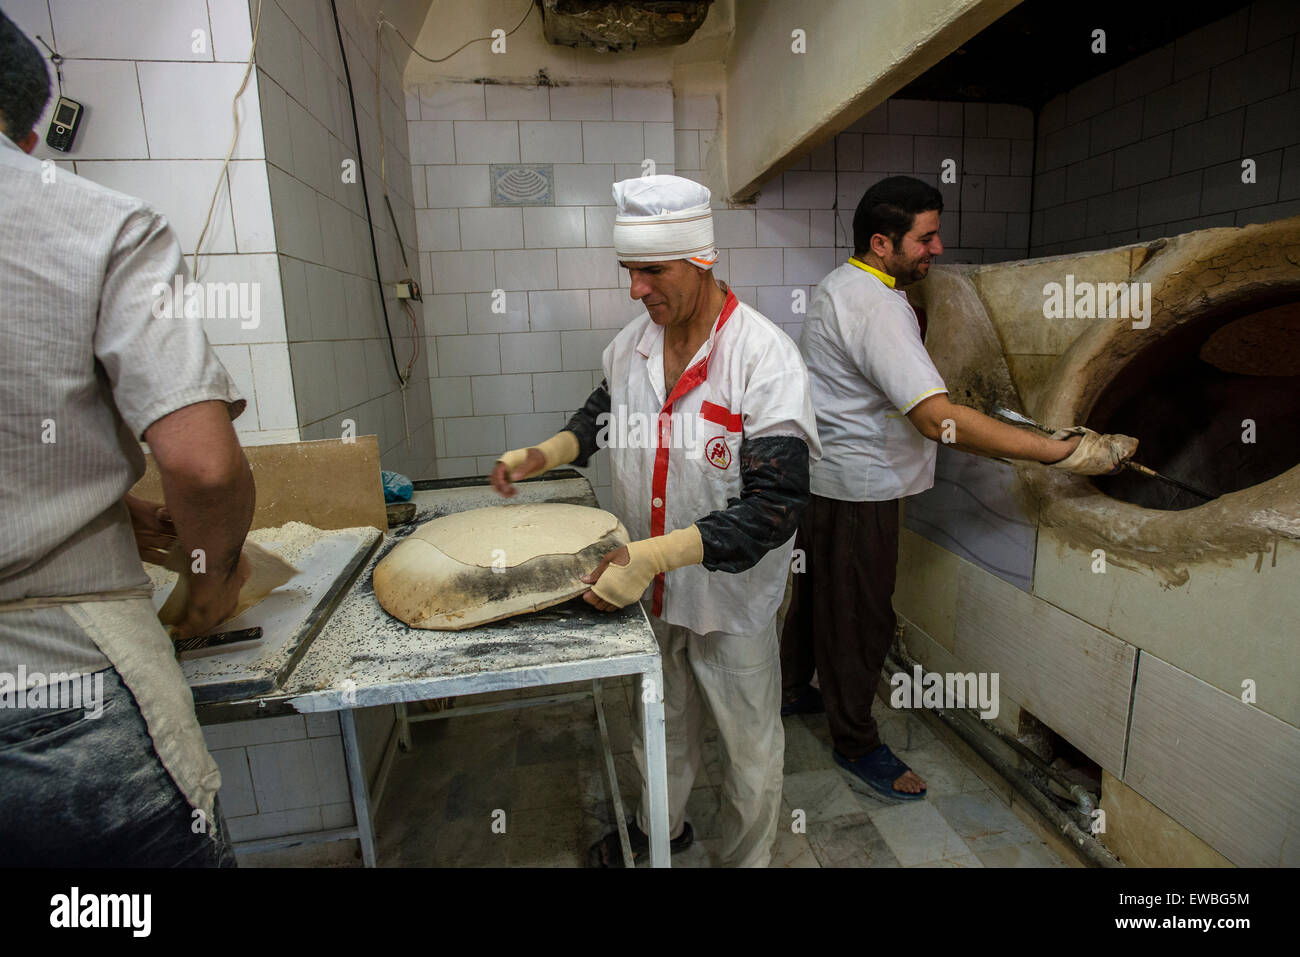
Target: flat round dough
473, 567
509, 535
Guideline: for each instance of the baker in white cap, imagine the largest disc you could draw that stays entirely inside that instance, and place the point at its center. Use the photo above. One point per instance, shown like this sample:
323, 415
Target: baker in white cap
711, 499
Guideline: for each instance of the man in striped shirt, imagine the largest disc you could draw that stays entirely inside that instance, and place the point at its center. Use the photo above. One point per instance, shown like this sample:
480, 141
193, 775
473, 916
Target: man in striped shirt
101, 758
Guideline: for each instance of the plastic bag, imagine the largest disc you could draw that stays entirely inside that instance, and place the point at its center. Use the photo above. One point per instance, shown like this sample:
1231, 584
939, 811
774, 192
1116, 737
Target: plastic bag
397, 487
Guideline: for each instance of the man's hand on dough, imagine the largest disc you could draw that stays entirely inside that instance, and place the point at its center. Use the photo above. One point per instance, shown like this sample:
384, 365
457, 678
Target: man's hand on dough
513, 467
154, 532
637, 563
619, 556
212, 599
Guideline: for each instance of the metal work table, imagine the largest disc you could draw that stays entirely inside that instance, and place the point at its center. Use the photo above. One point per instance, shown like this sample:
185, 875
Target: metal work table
363, 657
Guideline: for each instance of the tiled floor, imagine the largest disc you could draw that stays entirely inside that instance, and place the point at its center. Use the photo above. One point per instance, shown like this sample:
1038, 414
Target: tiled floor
526, 788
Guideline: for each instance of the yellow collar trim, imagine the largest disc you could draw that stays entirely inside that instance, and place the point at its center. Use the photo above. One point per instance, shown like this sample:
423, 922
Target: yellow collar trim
884, 277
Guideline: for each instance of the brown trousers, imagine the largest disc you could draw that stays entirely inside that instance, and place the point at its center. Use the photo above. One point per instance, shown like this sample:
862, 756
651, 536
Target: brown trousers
841, 617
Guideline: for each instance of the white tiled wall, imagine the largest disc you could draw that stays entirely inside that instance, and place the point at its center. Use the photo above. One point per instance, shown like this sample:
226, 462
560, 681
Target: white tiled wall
338, 351
157, 124
281, 775
512, 376
1155, 147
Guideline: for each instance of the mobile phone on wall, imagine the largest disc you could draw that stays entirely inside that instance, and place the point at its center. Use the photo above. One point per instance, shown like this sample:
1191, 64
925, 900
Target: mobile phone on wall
64, 124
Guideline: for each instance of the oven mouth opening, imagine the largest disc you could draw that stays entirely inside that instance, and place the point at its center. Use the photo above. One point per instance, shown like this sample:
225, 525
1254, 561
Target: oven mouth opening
1214, 403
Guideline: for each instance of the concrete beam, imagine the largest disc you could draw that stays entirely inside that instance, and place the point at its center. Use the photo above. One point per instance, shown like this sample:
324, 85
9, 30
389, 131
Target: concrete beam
781, 104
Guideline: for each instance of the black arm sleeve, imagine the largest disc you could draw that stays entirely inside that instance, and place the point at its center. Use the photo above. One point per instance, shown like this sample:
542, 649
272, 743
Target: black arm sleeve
585, 425
774, 478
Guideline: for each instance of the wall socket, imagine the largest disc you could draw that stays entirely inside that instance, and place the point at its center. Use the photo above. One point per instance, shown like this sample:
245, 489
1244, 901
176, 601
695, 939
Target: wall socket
409, 289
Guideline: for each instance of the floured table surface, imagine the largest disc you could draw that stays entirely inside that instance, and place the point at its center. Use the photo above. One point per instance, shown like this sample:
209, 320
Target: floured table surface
363, 656
290, 616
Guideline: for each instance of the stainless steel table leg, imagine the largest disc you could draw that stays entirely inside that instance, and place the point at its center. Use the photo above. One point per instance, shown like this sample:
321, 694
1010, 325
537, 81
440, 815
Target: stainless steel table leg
656, 760
357, 782
403, 726
620, 818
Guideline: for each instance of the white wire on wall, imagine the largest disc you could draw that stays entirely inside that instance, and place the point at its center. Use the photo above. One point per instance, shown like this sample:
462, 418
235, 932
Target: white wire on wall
234, 140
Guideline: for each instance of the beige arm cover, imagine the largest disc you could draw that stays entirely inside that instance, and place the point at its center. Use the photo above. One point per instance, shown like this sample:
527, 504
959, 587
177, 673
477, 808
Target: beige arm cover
559, 449
623, 584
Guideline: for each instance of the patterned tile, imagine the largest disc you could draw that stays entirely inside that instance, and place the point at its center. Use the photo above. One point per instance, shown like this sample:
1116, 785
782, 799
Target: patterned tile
962, 860
546, 837
982, 820
793, 850
916, 832
850, 842
544, 769
1030, 854
804, 750
556, 784
823, 795
942, 771
469, 842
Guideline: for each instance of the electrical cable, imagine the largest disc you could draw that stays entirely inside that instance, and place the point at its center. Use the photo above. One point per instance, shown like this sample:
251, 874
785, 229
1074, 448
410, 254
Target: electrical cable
443, 59
370, 222
234, 140
383, 147
57, 59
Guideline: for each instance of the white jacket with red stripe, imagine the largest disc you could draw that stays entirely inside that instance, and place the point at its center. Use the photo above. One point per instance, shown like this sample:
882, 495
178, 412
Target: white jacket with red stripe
747, 381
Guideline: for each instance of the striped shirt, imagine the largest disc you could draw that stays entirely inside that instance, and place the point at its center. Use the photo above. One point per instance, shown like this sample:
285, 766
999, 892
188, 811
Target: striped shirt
85, 368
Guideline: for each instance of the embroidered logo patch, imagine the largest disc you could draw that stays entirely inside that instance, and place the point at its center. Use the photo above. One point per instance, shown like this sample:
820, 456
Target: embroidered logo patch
717, 453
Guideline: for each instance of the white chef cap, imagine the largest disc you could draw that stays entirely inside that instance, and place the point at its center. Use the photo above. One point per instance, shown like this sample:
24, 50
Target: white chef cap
661, 218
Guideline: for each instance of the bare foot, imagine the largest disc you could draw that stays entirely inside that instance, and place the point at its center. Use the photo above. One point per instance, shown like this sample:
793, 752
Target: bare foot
909, 783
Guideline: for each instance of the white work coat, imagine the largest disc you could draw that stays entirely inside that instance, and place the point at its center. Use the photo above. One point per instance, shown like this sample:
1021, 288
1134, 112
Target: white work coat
746, 381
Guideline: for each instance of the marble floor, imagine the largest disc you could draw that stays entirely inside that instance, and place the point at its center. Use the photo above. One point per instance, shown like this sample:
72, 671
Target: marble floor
525, 787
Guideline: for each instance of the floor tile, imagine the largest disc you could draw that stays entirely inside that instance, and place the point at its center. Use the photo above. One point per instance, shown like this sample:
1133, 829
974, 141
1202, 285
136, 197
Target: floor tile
543, 768
963, 860
1030, 854
546, 837
850, 842
804, 750
822, 795
793, 850
942, 771
982, 820
619, 724
478, 794
916, 832
902, 730
555, 784
469, 842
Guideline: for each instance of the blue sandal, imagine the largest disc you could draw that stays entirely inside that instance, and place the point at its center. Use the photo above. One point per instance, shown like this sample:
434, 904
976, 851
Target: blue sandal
878, 770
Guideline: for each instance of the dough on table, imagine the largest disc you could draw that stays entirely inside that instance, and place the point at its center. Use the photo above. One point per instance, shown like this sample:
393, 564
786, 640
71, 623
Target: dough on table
267, 572
473, 567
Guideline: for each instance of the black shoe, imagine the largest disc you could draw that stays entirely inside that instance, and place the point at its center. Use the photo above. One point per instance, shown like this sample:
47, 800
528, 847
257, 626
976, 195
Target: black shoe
608, 851
810, 702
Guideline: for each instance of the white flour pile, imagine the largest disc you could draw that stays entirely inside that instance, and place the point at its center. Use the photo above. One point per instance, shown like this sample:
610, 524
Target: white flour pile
290, 541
